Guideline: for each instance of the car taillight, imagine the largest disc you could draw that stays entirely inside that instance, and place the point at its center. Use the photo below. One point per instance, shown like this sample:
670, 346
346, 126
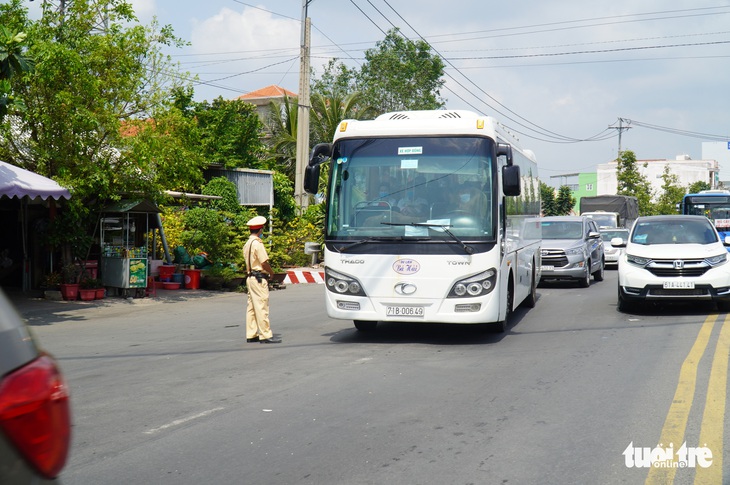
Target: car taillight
35, 414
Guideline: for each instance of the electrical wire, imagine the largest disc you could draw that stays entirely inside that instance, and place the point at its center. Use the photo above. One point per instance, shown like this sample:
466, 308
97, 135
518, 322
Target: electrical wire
542, 131
677, 131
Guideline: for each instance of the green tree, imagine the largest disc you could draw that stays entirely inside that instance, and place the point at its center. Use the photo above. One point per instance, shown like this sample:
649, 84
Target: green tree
328, 111
13, 63
401, 74
88, 81
697, 187
547, 196
632, 182
222, 187
336, 80
230, 133
281, 124
565, 201
671, 195
96, 69
398, 74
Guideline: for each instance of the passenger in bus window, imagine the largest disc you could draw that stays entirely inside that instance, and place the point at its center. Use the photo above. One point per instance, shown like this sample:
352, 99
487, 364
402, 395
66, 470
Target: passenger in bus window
386, 195
414, 203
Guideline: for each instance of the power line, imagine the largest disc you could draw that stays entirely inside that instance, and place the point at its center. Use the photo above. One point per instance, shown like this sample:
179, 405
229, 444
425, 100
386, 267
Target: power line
545, 132
492, 35
600, 51
677, 131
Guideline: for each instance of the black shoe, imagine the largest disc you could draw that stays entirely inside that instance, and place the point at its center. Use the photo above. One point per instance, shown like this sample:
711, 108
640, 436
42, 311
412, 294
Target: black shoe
254, 339
271, 340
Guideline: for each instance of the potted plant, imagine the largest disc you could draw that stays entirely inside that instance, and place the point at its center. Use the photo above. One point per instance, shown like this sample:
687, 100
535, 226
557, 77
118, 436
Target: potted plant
213, 278
52, 286
52, 280
94, 284
87, 288
70, 286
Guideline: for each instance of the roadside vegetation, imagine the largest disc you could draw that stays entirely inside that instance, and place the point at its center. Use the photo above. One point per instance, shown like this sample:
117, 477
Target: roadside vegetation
93, 103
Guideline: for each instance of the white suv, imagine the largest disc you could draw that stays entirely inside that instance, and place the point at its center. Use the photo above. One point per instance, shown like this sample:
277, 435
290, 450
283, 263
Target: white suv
673, 258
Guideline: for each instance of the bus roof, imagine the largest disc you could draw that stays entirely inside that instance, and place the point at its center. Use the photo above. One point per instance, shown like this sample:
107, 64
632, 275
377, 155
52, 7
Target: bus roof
430, 123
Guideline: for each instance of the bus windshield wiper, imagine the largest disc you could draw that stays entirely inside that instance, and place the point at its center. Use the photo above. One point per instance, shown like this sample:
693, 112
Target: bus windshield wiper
366, 240
468, 249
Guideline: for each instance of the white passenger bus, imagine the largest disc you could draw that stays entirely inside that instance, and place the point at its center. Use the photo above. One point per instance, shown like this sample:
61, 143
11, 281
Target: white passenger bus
431, 217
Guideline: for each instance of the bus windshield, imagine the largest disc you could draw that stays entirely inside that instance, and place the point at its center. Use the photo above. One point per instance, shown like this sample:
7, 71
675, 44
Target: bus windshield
412, 186
714, 207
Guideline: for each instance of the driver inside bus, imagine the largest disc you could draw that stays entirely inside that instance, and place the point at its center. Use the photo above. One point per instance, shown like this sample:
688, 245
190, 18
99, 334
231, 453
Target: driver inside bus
473, 200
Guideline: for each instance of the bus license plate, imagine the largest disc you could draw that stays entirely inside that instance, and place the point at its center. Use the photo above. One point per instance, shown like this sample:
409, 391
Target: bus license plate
404, 311
679, 285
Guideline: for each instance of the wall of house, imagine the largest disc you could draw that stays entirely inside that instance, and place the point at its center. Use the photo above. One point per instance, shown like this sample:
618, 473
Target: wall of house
688, 171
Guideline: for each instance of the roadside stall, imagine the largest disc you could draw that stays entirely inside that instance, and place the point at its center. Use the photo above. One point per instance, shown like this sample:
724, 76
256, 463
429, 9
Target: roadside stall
127, 232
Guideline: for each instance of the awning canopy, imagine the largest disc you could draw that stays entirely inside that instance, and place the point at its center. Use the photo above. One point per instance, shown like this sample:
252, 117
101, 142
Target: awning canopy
128, 205
17, 182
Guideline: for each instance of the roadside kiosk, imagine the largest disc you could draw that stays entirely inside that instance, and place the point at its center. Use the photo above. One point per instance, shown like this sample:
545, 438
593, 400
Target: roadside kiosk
127, 233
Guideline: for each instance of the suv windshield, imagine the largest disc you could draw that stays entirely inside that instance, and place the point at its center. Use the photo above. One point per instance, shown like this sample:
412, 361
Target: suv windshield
673, 232
608, 235
562, 230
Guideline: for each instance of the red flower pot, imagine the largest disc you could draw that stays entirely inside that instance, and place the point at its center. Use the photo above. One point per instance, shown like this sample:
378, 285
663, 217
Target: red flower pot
69, 291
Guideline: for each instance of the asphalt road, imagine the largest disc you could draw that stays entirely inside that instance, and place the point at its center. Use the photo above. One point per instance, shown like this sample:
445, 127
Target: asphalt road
167, 391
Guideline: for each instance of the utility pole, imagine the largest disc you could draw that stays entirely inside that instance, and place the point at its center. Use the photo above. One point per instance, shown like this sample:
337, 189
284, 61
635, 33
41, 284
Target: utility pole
621, 128
302, 199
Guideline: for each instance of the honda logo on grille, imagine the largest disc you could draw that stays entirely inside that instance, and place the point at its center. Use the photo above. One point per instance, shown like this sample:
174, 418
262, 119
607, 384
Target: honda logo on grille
678, 264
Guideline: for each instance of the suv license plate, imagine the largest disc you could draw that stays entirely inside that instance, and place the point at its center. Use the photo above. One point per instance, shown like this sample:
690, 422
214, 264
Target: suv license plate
679, 285
404, 311
547, 268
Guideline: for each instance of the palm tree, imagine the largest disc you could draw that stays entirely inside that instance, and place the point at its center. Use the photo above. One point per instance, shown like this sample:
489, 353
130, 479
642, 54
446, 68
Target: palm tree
281, 125
328, 111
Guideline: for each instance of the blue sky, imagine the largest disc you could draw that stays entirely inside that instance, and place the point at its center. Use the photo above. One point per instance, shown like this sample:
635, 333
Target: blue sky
556, 72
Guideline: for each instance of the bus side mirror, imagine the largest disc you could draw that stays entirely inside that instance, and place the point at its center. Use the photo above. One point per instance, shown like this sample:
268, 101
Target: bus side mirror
511, 181
320, 153
311, 179
505, 150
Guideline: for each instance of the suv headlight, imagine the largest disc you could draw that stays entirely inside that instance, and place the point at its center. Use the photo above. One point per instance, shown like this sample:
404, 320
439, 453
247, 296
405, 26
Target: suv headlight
717, 260
341, 284
574, 251
639, 261
477, 285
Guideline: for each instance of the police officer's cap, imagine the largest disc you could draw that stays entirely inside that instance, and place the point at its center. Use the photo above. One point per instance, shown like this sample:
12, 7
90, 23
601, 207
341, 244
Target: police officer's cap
256, 223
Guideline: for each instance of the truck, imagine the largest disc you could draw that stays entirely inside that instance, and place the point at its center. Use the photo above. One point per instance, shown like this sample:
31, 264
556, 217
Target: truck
610, 211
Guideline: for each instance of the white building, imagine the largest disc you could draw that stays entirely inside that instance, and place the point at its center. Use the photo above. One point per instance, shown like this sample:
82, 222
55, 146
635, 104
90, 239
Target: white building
720, 151
687, 170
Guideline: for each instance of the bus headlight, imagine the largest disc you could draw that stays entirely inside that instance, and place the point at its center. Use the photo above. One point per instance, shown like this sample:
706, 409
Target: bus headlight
477, 285
342, 284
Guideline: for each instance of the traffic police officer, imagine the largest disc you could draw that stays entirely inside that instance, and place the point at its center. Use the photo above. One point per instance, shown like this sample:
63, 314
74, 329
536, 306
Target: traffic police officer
259, 272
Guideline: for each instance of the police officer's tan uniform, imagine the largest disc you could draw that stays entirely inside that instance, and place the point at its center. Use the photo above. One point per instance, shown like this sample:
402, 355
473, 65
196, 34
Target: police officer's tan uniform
257, 311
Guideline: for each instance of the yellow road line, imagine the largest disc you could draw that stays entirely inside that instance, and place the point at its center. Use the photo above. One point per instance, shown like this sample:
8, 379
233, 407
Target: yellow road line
676, 421
713, 419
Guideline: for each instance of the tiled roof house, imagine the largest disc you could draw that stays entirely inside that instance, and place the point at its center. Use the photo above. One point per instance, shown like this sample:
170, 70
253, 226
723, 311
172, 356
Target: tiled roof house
261, 98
